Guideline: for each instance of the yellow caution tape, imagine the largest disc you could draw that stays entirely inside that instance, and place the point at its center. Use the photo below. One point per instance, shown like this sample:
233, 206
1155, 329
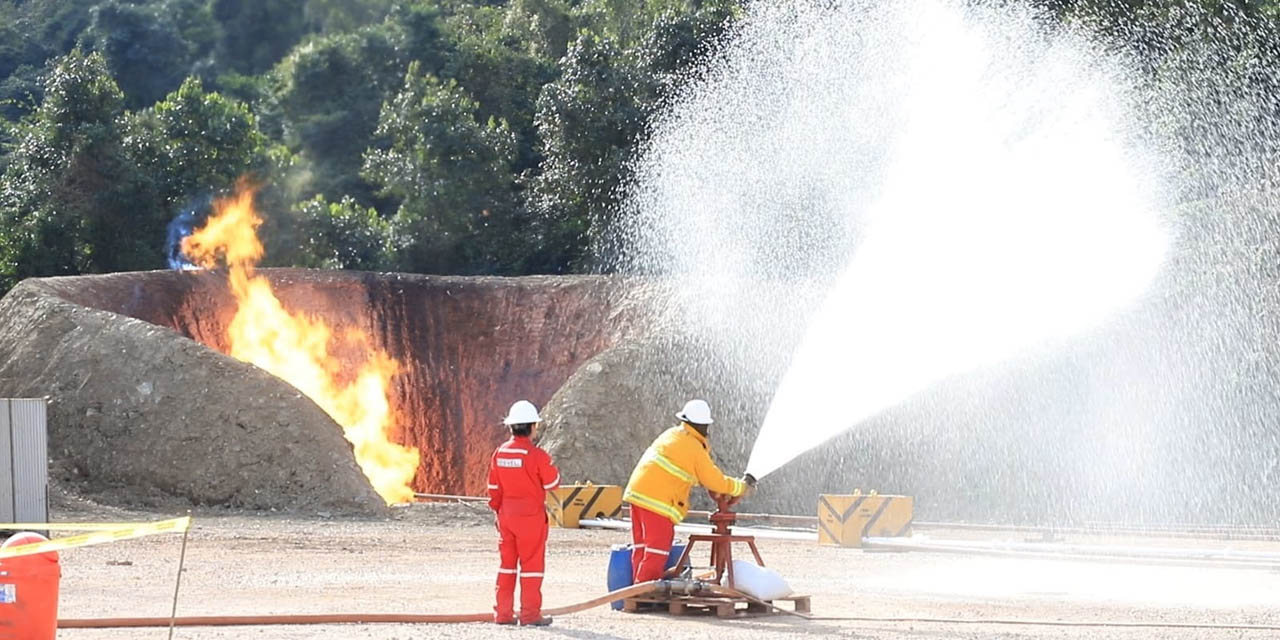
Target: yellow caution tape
116, 533
66, 526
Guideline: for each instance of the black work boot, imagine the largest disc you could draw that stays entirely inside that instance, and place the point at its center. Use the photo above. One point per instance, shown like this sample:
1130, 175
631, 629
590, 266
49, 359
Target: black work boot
540, 622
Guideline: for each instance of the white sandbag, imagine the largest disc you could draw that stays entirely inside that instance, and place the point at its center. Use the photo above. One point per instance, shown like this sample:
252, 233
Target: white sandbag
759, 582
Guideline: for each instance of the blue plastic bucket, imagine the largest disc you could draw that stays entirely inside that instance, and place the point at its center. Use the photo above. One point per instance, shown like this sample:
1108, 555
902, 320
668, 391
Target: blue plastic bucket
619, 570
619, 575
677, 550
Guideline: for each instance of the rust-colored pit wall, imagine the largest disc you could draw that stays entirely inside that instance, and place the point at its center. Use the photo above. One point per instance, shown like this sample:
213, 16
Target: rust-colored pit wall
468, 346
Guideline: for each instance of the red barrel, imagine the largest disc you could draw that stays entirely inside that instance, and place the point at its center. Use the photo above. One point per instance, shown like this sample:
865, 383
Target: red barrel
29, 592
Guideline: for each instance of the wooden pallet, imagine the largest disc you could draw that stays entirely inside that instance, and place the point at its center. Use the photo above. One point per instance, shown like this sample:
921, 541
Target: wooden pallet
722, 607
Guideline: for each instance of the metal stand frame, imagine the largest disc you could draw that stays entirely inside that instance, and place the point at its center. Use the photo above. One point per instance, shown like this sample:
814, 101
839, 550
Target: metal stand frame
721, 539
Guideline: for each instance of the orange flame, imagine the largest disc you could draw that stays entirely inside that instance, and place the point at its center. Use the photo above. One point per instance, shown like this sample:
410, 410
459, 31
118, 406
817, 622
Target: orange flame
296, 348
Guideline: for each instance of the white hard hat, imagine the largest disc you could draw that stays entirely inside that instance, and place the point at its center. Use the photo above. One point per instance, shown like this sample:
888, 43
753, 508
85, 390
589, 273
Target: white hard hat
522, 412
696, 412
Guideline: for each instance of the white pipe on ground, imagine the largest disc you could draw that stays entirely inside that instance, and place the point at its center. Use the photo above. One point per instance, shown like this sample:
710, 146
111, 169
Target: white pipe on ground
1088, 553
1210, 532
1044, 551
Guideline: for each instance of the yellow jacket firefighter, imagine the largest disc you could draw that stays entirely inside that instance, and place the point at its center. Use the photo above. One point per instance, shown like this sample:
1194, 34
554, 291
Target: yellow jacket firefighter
676, 461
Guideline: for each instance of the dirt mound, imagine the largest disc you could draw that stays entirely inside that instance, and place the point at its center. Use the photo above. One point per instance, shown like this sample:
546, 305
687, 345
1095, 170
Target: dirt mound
137, 404
604, 417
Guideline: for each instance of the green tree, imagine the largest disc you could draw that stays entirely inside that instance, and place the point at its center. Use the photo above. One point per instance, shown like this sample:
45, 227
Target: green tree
498, 64
590, 122
451, 176
30, 33
340, 16
20, 92
143, 47
630, 22
20, 59
678, 42
420, 34
329, 93
255, 34
194, 20
344, 235
89, 187
64, 194
148, 44
197, 142
546, 26
53, 26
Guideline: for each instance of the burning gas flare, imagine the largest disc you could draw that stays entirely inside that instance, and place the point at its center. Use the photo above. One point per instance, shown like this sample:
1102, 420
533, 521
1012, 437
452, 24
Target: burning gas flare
297, 348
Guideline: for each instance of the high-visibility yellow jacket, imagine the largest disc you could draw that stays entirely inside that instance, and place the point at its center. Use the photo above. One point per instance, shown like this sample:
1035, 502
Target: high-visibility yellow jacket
676, 461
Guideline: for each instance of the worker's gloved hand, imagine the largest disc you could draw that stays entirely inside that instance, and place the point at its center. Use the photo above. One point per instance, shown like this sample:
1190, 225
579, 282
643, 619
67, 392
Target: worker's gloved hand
750, 482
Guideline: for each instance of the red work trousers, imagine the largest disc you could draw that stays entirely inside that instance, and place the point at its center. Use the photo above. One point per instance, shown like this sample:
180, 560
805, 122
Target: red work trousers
523, 541
651, 535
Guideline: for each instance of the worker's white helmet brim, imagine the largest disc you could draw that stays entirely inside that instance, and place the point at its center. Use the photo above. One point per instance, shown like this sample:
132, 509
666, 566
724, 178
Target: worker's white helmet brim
522, 412
696, 412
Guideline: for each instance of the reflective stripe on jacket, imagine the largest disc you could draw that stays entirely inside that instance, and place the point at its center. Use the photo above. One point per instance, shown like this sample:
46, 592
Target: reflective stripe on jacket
676, 461
520, 474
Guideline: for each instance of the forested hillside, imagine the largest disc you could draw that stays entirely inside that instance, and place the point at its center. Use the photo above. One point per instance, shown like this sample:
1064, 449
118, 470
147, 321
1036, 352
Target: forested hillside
439, 136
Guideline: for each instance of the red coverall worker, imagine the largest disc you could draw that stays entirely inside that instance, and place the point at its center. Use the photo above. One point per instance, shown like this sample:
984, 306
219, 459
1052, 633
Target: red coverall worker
658, 490
520, 474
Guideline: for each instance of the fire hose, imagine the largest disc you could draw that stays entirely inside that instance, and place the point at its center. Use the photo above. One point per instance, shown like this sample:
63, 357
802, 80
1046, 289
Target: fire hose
659, 588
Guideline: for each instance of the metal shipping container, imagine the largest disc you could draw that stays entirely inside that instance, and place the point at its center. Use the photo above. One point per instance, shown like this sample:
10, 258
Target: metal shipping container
24, 461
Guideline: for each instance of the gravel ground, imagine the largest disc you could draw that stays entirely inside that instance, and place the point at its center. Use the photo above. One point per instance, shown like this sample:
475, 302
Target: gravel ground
441, 559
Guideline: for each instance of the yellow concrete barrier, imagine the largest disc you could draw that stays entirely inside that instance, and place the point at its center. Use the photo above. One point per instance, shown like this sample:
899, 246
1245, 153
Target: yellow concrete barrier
568, 504
846, 519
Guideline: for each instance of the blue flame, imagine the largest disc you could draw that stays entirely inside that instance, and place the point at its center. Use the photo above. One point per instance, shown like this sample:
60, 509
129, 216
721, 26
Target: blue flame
180, 227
